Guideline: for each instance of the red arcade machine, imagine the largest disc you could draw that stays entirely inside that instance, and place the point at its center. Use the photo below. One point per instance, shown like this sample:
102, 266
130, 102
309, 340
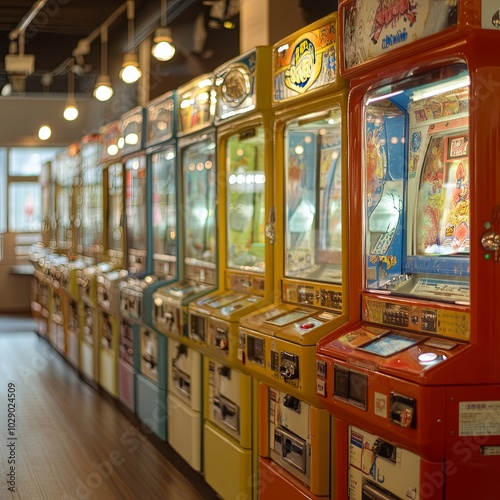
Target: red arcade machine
415, 385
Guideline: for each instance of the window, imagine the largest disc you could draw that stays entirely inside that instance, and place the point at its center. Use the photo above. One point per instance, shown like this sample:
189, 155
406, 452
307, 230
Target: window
20, 189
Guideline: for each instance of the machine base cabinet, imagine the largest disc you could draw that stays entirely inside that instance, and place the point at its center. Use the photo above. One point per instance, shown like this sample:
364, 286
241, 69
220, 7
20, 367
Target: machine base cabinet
231, 474
275, 482
184, 431
126, 375
151, 405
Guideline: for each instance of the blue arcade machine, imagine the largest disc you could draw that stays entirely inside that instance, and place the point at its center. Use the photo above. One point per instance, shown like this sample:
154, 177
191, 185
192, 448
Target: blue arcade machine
161, 264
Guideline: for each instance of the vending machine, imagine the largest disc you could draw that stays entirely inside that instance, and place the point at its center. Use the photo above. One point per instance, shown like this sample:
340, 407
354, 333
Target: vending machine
197, 257
136, 294
245, 197
415, 384
307, 228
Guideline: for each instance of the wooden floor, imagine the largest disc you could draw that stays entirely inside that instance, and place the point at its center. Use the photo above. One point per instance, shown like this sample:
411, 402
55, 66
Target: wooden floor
72, 442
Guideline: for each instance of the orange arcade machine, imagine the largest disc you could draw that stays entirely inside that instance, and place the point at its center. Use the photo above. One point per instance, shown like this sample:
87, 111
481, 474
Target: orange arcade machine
415, 384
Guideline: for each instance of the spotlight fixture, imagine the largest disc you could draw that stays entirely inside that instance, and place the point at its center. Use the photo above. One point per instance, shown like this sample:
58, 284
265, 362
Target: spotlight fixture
163, 48
103, 89
44, 132
130, 72
71, 111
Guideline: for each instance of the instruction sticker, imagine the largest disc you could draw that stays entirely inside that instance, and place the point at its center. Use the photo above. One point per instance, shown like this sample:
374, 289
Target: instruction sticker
479, 418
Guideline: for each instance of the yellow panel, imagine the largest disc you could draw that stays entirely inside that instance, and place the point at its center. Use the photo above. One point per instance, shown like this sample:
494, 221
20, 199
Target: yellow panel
228, 468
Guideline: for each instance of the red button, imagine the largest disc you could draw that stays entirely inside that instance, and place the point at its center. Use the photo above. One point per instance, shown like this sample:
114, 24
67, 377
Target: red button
307, 326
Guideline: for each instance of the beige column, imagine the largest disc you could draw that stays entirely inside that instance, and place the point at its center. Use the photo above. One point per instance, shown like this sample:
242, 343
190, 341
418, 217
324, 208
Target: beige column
264, 22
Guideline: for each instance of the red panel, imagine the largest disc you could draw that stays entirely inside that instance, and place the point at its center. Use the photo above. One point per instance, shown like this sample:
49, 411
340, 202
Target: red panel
276, 483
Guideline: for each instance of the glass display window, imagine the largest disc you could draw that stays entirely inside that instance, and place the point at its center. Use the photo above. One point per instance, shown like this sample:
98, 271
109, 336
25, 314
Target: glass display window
313, 204
246, 200
416, 184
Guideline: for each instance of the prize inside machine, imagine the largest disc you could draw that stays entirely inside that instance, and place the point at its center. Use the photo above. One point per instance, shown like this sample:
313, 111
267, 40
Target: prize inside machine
278, 342
414, 385
40, 251
196, 149
67, 177
243, 117
102, 251
137, 294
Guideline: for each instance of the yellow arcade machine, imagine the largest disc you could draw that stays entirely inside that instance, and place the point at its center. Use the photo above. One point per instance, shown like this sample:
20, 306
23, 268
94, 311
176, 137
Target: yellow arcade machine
88, 210
67, 165
112, 254
197, 272
245, 182
278, 342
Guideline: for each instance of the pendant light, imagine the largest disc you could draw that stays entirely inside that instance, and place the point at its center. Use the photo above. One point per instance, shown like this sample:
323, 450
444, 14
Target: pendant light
103, 89
71, 111
130, 71
163, 48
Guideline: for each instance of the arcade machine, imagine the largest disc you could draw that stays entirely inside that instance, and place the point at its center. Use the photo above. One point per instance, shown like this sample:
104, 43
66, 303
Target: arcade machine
414, 385
39, 251
88, 209
67, 175
108, 283
136, 293
196, 152
112, 179
278, 342
244, 135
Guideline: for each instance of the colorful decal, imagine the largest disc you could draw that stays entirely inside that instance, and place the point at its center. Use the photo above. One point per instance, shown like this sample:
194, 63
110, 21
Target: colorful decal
374, 27
305, 63
444, 198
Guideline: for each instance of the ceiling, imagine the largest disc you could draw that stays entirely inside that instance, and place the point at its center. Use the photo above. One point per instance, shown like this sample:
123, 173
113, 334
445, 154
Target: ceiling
55, 31
52, 36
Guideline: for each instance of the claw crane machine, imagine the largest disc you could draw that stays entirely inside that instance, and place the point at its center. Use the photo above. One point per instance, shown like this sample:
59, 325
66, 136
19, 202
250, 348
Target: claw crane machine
415, 385
278, 342
88, 207
110, 170
150, 373
245, 196
197, 270
108, 283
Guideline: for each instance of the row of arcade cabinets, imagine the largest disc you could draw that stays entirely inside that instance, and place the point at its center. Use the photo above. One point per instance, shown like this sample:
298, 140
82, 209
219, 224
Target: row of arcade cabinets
413, 378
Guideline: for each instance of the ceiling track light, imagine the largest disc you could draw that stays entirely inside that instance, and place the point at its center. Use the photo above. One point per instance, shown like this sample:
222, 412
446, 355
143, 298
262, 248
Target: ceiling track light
71, 111
103, 89
163, 48
130, 72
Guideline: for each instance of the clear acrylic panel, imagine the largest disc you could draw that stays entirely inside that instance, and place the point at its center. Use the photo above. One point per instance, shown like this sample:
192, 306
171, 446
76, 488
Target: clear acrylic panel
313, 202
115, 206
198, 161
135, 202
164, 206
245, 158
416, 171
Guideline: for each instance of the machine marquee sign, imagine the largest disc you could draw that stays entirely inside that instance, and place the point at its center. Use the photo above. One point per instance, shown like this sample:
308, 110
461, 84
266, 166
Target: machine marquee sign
373, 27
305, 62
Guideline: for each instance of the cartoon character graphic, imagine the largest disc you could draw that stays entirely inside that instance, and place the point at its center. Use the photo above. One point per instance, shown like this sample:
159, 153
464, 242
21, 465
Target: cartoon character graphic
389, 12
